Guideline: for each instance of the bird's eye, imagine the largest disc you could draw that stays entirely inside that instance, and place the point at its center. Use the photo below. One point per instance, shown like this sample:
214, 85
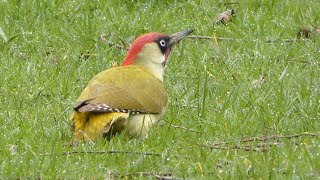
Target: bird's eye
162, 43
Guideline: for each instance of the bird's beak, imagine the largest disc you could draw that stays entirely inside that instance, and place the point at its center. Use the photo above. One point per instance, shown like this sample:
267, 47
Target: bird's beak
176, 37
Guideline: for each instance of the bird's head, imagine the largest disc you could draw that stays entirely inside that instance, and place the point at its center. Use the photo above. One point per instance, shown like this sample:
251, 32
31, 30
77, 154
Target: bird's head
151, 51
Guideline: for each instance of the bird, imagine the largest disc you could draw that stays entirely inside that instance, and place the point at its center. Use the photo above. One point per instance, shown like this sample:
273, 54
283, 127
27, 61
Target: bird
130, 98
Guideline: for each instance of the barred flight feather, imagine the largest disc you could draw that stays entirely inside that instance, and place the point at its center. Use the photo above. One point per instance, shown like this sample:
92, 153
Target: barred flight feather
106, 108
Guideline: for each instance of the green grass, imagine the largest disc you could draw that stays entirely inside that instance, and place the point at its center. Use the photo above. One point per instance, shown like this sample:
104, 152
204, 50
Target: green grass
43, 71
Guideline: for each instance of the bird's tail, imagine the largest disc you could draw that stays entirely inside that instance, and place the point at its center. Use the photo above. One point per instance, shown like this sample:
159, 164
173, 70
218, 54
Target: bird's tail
88, 126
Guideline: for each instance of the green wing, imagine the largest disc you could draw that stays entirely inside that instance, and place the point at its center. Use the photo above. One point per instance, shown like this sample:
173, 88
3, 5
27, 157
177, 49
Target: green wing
127, 87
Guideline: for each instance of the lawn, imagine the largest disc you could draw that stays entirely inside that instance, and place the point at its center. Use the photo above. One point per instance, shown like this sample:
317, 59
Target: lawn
244, 103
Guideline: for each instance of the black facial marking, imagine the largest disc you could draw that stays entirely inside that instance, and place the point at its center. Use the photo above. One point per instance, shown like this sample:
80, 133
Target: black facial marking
163, 43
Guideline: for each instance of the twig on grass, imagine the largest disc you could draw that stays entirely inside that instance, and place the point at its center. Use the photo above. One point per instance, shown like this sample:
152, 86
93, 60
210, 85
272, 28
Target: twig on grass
305, 62
237, 147
233, 3
261, 147
166, 177
180, 127
184, 128
215, 38
289, 40
145, 174
210, 38
111, 152
103, 37
157, 175
228, 3
273, 137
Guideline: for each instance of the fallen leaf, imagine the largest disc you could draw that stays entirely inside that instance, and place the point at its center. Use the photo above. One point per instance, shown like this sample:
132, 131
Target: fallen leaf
317, 30
304, 33
13, 149
258, 82
226, 16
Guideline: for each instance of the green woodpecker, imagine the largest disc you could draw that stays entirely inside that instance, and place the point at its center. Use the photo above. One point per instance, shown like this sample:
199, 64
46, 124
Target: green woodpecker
130, 98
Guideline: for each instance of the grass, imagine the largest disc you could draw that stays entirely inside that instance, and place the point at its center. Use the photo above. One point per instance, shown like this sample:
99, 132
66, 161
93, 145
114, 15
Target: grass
50, 50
